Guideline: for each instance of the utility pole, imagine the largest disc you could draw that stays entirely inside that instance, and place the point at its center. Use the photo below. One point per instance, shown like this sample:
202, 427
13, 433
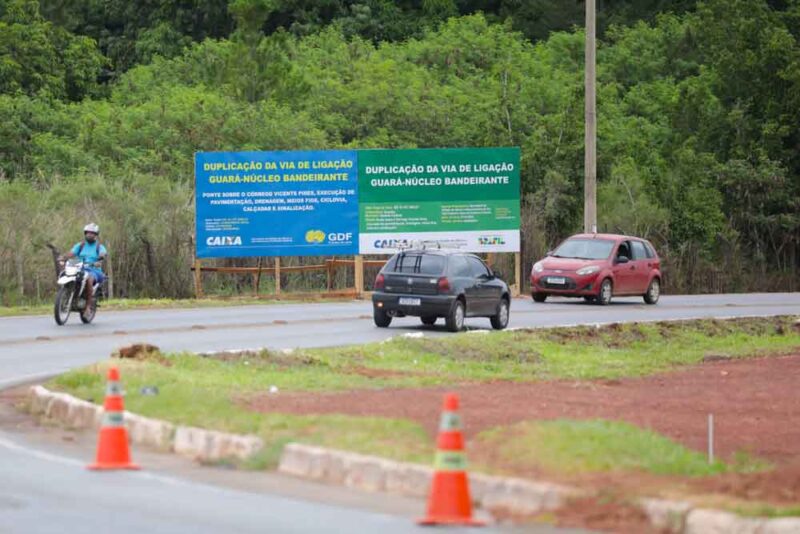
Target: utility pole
590, 139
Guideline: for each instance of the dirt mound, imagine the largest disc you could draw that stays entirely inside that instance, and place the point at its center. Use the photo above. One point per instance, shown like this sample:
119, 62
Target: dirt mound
137, 351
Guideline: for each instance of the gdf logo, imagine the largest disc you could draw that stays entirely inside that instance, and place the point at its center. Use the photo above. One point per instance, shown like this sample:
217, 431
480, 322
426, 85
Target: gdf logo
340, 237
315, 236
224, 241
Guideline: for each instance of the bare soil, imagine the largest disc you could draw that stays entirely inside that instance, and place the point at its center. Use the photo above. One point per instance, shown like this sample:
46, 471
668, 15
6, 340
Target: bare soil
755, 402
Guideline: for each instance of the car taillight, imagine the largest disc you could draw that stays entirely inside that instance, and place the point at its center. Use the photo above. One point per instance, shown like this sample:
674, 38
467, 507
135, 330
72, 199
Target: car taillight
443, 285
380, 281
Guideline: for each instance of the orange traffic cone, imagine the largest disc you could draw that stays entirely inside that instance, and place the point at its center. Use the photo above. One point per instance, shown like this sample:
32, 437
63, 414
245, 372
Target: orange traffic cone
112, 444
449, 502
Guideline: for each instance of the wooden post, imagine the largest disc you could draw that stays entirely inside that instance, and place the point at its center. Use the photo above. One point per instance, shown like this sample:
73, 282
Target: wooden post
490, 259
257, 278
198, 279
329, 268
359, 275
517, 274
277, 276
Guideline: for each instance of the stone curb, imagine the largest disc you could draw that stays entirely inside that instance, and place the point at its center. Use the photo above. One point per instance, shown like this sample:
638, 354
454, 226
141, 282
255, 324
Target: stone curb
196, 443
506, 497
497, 495
500, 496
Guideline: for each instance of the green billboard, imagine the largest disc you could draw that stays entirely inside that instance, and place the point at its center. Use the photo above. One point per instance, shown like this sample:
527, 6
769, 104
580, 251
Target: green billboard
466, 198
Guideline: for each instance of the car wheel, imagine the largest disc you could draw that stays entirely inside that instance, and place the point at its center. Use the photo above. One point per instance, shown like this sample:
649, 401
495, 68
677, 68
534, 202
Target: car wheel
455, 319
606, 291
539, 297
653, 291
500, 319
382, 319
429, 319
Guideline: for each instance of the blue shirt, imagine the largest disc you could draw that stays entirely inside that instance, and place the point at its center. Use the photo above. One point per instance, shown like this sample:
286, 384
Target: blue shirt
90, 254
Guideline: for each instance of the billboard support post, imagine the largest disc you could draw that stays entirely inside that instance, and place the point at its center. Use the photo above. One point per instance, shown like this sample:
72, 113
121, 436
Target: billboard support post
517, 291
358, 264
198, 279
277, 276
257, 278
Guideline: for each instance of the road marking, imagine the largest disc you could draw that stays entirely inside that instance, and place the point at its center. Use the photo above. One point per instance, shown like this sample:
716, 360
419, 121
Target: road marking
21, 379
72, 462
41, 455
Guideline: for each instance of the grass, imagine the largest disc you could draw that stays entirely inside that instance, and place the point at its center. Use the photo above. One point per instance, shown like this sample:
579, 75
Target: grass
213, 392
161, 303
598, 446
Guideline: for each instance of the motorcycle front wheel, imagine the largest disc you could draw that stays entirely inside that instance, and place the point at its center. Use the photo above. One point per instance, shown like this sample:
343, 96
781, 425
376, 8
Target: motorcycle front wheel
87, 315
63, 305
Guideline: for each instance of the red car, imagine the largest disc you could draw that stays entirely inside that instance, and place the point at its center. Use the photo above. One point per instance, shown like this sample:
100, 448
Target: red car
597, 267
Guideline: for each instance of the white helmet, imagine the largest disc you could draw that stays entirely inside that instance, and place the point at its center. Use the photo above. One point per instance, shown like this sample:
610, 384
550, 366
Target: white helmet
91, 227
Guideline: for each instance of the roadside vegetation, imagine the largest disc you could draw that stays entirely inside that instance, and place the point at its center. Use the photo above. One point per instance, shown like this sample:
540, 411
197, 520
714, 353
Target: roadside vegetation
162, 303
218, 392
698, 107
565, 447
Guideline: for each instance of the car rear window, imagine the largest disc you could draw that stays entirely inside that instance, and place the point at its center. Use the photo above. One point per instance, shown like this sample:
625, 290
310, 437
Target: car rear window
586, 249
416, 264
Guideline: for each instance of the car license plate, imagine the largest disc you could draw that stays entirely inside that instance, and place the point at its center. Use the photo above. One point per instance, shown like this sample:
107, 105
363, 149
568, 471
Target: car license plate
557, 280
410, 302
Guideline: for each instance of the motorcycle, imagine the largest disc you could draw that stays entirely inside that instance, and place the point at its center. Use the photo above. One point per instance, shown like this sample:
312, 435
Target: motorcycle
71, 295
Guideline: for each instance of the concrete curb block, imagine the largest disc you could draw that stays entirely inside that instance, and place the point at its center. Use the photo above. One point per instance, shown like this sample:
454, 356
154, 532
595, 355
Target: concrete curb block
669, 516
703, 521
209, 445
784, 525
197, 443
150, 432
498, 495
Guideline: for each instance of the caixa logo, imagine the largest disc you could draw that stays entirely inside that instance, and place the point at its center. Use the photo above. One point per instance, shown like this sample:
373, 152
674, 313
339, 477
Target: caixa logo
224, 241
391, 243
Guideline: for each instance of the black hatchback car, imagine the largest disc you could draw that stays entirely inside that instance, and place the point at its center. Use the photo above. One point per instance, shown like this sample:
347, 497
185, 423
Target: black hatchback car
439, 283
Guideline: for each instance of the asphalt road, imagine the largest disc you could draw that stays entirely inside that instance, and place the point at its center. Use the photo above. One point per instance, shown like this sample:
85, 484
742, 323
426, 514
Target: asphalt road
46, 490
32, 347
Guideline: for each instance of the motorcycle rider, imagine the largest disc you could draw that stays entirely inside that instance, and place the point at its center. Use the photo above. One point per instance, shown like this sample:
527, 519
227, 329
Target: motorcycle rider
93, 254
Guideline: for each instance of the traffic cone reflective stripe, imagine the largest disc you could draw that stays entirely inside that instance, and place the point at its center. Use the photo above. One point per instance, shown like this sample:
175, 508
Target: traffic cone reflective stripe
450, 461
112, 443
449, 502
113, 388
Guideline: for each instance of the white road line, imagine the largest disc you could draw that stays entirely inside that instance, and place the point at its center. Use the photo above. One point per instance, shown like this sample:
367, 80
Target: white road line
21, 379
41, 455
72, 462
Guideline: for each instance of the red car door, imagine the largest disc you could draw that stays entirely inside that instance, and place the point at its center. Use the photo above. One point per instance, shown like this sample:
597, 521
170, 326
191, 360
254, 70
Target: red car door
643, 266
624, 271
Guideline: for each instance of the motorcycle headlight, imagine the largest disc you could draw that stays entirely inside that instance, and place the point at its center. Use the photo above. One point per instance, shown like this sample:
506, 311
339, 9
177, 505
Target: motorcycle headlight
591, 269
538, 267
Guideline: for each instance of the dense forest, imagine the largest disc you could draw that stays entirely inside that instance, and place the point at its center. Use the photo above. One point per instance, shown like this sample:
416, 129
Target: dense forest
103, 104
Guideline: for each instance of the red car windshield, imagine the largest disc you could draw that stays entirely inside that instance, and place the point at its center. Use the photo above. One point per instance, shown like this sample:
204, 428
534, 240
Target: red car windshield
585, 249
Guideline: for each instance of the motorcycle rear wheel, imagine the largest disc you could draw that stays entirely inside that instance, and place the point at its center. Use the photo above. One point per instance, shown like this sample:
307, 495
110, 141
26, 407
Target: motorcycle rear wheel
63, 306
